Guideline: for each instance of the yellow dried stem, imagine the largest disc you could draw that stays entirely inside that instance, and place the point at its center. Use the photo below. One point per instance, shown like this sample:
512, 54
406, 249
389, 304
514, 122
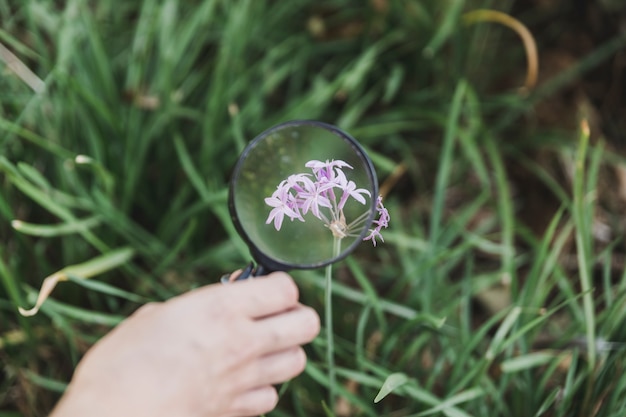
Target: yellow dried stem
392, 180
530, 46
85, 270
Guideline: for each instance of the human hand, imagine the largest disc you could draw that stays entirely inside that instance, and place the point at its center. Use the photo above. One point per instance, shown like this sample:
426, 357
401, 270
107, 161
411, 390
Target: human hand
213, 352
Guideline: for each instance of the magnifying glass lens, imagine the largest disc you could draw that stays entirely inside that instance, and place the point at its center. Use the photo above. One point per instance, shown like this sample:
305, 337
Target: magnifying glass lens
303, 195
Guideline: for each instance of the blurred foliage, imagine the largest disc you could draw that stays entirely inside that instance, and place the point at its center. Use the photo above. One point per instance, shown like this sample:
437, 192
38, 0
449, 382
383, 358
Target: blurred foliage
120, 123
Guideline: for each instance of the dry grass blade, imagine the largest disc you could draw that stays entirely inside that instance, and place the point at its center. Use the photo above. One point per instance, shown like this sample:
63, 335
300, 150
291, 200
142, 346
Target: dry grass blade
21, 70
84, 270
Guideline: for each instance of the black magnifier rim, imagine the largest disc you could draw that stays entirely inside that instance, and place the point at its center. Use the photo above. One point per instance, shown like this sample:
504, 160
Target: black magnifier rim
269, 263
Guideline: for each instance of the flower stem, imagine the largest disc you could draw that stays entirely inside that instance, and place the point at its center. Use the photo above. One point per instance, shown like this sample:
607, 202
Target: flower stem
330, 343
358, 221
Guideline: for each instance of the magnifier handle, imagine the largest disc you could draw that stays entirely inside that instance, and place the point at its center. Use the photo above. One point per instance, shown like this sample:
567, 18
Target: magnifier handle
249, 272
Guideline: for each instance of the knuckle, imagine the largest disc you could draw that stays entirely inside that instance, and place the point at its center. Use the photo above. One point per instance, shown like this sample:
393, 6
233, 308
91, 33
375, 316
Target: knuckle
227, 303
272, 337
241, 353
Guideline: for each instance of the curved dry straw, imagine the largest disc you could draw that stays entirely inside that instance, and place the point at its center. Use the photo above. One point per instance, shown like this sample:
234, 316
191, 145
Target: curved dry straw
530, 46
532, 68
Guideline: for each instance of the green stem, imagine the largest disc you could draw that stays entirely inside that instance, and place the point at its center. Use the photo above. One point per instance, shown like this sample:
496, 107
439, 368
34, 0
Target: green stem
330, 343
582, 220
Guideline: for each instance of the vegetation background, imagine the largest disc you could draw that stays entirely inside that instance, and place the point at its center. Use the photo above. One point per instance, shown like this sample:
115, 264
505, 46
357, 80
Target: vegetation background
500, 289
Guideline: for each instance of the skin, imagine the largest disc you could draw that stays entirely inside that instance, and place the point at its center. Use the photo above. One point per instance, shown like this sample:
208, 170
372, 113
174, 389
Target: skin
213, 352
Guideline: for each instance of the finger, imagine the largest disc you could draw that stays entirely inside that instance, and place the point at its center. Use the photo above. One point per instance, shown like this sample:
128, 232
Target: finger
265, 296
274, 368
251, 298
255, 402
228, 278
282, 366
283, 331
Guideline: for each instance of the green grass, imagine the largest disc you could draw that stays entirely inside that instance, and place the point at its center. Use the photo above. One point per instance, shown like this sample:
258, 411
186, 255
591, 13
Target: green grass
468, 309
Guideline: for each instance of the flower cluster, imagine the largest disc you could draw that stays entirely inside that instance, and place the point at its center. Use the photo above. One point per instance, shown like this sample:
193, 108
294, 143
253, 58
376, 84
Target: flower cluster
383, 221
324, 193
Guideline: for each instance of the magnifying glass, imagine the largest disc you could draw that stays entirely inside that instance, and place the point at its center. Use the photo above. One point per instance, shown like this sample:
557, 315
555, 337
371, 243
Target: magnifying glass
303, 195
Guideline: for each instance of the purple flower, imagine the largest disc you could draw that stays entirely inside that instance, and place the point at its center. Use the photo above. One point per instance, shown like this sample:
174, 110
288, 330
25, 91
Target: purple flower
302, 193
383, 214
383, 221
313, 197
297, 182
284, 204
350, 190
325, 171
374, 233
